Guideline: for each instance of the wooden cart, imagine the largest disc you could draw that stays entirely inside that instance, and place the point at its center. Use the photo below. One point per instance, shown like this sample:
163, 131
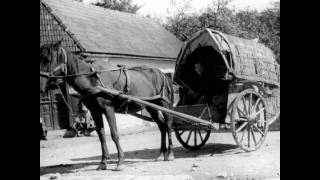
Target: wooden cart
249, 102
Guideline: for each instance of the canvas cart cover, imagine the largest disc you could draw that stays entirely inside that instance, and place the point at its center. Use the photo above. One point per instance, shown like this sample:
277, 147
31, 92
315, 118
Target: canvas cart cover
241, 58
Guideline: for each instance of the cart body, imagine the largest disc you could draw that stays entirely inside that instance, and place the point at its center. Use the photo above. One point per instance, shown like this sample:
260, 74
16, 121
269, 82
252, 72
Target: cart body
222, 74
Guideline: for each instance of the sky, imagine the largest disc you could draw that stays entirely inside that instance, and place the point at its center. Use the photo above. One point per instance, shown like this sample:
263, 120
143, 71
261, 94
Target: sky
162, 8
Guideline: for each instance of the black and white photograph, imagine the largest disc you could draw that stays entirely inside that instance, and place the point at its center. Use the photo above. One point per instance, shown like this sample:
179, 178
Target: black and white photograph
159, 89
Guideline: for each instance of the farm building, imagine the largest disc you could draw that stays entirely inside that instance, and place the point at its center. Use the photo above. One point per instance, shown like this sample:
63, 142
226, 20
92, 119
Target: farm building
100, 34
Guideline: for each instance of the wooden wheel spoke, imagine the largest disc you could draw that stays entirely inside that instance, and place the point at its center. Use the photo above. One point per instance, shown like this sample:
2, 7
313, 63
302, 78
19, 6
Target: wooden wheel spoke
188, 137
240, 111
259, 130
195, 138
260, 111
241, 119
187, 141
242, 136
241, 127
253, 136
260, 120
250, 102
200, 135
255, 105
244, 105
180, 133
248, 136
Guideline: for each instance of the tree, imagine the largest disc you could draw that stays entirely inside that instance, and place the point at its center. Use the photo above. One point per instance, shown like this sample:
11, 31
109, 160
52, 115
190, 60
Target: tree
119, 5
249, 24
270, 20
217, 16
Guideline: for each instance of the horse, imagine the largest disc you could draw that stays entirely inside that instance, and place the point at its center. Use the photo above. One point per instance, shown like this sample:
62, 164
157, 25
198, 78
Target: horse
57, 63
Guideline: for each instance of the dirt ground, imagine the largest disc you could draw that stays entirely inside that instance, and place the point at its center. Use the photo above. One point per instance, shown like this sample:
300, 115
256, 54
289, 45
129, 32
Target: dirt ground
220, 157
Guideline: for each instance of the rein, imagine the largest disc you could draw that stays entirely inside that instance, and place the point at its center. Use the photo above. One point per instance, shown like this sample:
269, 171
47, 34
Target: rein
64, 69
63, 98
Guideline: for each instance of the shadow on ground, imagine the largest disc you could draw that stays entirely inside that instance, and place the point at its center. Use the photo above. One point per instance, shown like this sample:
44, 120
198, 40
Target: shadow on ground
147, 155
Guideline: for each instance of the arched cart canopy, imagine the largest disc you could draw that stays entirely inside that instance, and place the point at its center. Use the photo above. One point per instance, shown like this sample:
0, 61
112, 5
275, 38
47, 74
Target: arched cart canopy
240, 58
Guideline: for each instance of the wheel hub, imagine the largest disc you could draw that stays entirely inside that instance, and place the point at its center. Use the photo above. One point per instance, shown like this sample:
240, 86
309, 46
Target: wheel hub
251, 119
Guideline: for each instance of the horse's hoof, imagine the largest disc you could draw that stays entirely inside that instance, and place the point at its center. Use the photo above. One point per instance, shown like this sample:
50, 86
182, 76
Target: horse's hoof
119, 167
102, 167
169, 157
160, 158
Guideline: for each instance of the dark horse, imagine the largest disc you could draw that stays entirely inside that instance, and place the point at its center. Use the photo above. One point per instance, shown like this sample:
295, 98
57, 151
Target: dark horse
56, 63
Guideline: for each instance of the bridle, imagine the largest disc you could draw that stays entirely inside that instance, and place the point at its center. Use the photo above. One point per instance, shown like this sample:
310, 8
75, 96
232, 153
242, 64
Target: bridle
62, 67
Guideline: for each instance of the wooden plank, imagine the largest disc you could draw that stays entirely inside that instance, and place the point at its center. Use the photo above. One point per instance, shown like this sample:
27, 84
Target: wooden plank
179, 115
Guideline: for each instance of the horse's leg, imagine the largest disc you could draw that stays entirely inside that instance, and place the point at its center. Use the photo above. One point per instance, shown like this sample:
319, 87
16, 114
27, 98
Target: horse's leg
161, 126
97, 117
169, 120
170, 155
111, 118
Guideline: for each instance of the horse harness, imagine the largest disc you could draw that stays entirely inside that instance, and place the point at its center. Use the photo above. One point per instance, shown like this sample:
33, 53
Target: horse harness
63, 66
122, 68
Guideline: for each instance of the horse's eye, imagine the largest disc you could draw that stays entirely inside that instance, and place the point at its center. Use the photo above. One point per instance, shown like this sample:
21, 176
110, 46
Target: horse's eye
45, 52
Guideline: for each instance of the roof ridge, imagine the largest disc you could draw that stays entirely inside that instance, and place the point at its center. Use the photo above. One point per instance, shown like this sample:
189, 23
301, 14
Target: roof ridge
101, 9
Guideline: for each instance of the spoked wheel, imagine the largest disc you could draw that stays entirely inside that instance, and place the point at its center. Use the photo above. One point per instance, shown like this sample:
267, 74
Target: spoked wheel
248, 121
192, 139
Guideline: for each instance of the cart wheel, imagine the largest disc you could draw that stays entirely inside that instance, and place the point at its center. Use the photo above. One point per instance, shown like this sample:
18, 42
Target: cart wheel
248, 121
199, 137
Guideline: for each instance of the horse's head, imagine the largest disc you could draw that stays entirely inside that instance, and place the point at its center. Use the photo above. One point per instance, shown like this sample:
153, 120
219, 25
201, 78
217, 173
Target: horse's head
52, 64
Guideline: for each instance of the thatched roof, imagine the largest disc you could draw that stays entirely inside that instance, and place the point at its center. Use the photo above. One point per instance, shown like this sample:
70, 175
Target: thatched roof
249, 59
99, 30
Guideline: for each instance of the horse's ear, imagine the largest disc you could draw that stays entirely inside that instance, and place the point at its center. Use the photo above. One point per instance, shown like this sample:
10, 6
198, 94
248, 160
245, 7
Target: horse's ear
59, 43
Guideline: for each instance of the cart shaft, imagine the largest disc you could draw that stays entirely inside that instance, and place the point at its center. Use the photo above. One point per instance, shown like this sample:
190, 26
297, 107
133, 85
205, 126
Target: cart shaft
182, 116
